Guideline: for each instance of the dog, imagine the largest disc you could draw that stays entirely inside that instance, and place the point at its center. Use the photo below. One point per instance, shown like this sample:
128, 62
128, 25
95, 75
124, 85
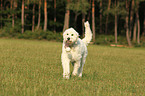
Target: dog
74, 50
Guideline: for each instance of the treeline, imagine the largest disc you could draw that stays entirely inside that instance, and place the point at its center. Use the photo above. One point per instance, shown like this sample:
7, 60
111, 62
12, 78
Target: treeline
124, 18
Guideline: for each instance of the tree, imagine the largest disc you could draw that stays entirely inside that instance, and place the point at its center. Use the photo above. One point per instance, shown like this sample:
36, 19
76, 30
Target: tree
138, 23
15, 5
101, 16
12, 8
45, 15
106, 26
127, 28
116, 24
66, 18
144, 25
39, 15
93, 20
33, 18
89, 13
85, 8
83, 21
134, 30
1, 12
54, 15
27, 8
131, 17
79, 7
75, 6
22, 16
116, 10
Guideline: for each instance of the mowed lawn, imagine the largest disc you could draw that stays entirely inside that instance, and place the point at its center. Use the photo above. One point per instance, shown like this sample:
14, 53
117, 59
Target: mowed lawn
33, 68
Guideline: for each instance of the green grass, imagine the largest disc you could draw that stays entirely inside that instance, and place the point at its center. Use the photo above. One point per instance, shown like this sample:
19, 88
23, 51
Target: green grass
33, 68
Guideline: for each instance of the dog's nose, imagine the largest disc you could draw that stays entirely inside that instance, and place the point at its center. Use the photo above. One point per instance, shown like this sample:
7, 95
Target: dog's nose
68, 38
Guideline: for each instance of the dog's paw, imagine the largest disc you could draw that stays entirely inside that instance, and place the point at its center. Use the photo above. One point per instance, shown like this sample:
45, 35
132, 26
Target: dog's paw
87, 24
68, 49
65, 77
74, 74
80, 75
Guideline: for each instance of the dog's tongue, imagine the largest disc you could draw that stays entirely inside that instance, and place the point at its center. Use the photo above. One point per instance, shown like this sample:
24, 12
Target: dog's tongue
67, 44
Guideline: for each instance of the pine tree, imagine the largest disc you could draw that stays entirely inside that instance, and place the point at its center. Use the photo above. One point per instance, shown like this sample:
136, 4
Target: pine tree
108, 9
93, 20
138, 23
45, 15
39, 14
101, 10
66, 19
54, 16
116, 23
127, 27
33, 18
22, 16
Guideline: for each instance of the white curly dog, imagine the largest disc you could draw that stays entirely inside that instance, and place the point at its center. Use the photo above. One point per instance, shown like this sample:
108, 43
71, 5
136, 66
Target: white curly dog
74, 50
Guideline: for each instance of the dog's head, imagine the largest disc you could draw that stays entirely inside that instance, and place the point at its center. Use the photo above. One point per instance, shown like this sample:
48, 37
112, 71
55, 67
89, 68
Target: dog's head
70, 36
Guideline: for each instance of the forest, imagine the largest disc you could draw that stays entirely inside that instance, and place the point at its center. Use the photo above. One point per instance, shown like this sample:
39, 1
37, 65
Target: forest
119, 22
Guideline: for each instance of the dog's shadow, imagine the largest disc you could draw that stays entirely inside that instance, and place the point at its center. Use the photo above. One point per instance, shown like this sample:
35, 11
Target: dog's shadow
93, 76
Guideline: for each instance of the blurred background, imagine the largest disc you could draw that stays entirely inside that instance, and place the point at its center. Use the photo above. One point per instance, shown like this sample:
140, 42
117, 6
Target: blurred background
117, 22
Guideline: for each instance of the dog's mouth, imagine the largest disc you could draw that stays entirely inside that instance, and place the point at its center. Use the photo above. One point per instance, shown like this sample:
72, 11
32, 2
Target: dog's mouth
68, 43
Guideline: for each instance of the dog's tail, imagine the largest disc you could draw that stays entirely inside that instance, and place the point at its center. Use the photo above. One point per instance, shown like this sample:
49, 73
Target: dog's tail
88, 34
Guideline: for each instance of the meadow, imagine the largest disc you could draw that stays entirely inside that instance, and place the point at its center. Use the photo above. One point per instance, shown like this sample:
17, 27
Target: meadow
33, 68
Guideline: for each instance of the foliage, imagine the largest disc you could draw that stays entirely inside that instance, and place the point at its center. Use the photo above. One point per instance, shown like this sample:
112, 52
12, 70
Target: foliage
119, 9
79, 6
9, 31
31, 67
38, 34
109, 39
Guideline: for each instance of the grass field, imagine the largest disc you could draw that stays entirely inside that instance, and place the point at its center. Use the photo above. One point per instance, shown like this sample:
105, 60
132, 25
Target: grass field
33, 68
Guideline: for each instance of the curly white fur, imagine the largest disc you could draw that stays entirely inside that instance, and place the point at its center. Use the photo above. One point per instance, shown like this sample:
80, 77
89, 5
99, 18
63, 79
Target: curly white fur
74, 50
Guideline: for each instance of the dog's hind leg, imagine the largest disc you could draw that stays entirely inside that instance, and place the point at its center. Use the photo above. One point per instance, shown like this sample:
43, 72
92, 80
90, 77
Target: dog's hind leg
76, 67
81, 67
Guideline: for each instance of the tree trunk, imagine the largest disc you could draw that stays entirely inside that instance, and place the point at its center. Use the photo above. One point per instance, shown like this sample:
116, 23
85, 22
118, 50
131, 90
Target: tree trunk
127, 28
116, 28
138, 22
27, 8
75, 21
83, 21
134, 31
33, 19
89, 13
39, 15
1, 14
54, 16
45, 15
13, 22
22, 17
93, 20
66, 20
115, 33
100, 16
138, 27
131, 18
106, 27
143, 34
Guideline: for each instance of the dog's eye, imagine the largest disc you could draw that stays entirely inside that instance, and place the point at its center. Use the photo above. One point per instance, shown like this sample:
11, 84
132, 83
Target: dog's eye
72, 34
67, 34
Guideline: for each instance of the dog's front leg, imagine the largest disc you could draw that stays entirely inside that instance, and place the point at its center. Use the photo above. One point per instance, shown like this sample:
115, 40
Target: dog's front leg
66, 67
76, 67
